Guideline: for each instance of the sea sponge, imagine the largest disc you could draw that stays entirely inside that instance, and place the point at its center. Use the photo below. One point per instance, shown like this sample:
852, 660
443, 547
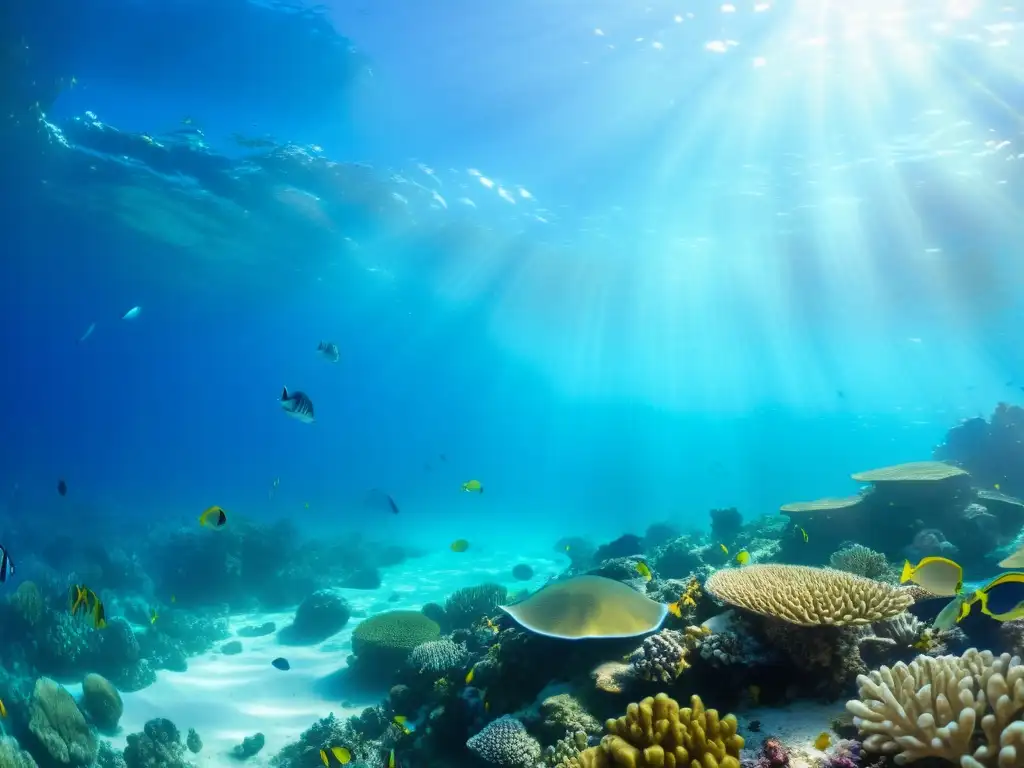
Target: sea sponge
438, 656
807, 596
59, 726
391, 636
656, 733
102, 701
933, 707
505, 743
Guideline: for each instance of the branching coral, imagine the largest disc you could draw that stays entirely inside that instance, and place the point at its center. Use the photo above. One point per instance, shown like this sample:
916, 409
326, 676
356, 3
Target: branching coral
505, 743
656, 733
807, 596
863, 561
933, 706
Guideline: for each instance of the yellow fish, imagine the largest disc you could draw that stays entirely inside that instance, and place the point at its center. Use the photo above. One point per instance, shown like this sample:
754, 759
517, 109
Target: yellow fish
724, 548
939, 575
342, 755
803, 533
99, 615
643, 570
473, 486
400, 721
955, 612
215, 517
566, 547
742, 557
675, 609
391, 759
469, 675
823, 741
153, 615
3, 709
491, 626
459, 545
1003, 597
1016, 560
996, 486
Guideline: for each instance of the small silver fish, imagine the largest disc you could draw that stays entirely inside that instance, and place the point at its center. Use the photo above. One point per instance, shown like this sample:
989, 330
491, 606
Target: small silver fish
132, 313
297, 405
329, 350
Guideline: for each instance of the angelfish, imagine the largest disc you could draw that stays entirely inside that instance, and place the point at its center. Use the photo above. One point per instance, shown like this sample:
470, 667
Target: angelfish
297, 405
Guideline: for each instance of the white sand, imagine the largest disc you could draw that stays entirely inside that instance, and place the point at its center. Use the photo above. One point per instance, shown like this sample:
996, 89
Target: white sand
796, 726
226, 698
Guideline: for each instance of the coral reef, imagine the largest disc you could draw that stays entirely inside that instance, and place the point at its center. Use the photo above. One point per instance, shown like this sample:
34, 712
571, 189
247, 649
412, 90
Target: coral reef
465, 607
677, 559
13, 756
992, 451
101, 702
657, 732
157, 746
862, 561
933, 706
624, 546
438, 656
505, 743
771, 754
725, 524
662, 656
318, 616
250, 746
565, 752
807, 596
382, 642
59, 726
564, 713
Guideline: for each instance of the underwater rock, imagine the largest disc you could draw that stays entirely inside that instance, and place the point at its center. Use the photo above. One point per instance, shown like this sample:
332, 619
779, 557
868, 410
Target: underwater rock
250, 746
435, 613
13, 756
725, 525
257, 630
157, 746
231, 648
102, 702
658, 534
319, 616
469, 605
677, 559
522, 572
59, 726
193, 742
624, 546
579, 551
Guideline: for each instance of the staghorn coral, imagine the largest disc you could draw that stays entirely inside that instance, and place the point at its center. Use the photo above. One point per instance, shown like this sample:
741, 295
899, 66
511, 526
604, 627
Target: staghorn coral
466, 606
807, 596
933, 707
505, 743
656, 732
863, 561
438, 656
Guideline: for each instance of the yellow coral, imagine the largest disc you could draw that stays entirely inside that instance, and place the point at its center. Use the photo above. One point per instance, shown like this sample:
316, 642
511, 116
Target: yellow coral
656, 733
808, 596
692, 593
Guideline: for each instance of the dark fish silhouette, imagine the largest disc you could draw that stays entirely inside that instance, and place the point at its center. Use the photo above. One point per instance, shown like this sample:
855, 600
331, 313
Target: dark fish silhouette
297, 405
62, 488
281, 663
6, 566
377, 496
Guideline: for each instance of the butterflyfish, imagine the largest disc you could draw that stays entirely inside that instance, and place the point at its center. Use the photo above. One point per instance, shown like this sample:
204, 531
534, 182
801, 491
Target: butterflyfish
402, 722
823, 741
1003, 597
99, 614
939, 575
459, 545
297, 405
341, 754
742, 557
215, 517
84, 601
473, 486
803, 534
644, 570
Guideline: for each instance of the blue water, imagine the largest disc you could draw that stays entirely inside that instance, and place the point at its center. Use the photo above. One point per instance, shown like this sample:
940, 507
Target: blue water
743, 254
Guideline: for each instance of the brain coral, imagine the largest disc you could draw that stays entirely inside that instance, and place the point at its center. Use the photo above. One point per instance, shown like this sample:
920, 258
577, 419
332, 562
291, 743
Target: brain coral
808, 596
933, 707
505, 743
656, 733
393, 635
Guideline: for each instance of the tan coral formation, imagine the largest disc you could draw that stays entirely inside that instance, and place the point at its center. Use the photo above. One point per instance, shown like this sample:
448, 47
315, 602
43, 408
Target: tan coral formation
965, 709
807, 596
911, 472
822, 505
657, 733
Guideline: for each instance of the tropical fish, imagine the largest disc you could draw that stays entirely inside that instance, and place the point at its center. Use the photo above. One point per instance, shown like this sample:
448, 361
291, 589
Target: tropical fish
803, 534
823, 741
375, 496
675, 609
341, 754
153, 615
469, 675
742, 557
88, 333
62, 487
78, 597
1003, 597
459, 545
644, 570
1016, 560
132, 313
297, 405
391, 759
955, 612
329, 350
491, 626
3, 709
402, 722
281, 663
6, 566
215, 517
473, 486
725, 549
99, 614
939, 575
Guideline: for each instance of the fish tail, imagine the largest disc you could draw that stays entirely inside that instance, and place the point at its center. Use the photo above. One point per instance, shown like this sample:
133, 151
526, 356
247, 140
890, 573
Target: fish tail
284, 393
908, 571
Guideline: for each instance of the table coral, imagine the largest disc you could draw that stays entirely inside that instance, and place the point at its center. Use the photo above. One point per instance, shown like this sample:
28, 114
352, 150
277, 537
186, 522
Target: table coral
656, 732
964, 709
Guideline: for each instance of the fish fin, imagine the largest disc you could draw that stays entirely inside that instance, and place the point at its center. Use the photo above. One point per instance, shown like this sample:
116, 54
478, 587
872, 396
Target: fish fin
284, 393
908, 571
